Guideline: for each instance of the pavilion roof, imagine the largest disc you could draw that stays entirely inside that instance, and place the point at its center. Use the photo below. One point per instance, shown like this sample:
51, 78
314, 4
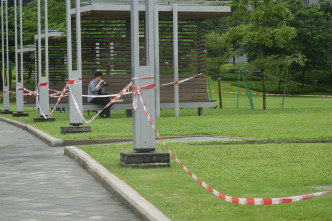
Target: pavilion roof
187, 10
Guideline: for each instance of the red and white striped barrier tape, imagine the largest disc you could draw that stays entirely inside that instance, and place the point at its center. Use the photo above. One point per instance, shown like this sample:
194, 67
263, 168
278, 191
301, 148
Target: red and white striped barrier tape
115, 99
180, 82
105, 95
287, 95
62, 94
43, 84
230, 199
142, 78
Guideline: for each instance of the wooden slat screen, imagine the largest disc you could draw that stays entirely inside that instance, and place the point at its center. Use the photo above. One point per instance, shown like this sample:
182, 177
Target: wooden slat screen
29, 74
106, 46
57, 55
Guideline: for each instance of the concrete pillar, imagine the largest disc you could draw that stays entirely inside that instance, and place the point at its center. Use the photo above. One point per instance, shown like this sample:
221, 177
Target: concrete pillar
156, 59
143, 134
43, 84
176, 60
75, 91
5, 69
19, 75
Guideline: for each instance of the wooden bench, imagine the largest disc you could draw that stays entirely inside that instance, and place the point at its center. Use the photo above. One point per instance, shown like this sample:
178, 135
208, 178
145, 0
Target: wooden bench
192, 93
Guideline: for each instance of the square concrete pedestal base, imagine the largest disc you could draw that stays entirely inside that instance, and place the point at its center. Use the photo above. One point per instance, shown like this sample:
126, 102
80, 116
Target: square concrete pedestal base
6, 112
75, 129
20, 114
41, 119
145, 159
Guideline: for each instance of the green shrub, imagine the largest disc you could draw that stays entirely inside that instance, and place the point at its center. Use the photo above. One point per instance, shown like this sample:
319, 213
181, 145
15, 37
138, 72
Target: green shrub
318, 77
273, 87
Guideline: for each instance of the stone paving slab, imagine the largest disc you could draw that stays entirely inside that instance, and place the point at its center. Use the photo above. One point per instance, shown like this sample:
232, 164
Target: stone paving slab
37, 182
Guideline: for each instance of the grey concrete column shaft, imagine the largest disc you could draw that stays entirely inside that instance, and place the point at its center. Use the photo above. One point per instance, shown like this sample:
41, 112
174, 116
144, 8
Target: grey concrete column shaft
5, 62
156, 59
43, 84
176, 60
143, 134
76, 88
19, 80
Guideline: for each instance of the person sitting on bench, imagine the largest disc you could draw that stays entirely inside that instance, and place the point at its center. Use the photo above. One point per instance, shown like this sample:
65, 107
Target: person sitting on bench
96, 88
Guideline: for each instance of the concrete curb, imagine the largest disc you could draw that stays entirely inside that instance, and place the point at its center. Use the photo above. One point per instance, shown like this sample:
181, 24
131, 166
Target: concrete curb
95, 141
39, 134
143, 208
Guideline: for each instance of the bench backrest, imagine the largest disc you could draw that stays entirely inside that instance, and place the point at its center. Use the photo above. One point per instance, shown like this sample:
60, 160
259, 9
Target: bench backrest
193, 90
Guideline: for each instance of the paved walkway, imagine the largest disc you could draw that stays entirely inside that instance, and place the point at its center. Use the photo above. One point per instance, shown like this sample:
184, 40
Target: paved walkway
39, 183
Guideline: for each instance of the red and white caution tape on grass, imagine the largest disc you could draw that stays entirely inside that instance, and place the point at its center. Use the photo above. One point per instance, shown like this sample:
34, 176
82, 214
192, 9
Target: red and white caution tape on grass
230, 199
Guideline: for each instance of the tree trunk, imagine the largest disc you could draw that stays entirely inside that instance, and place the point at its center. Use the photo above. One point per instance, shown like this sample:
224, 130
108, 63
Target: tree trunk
289, 84
302, 77
220, 97
262, 69
264, 91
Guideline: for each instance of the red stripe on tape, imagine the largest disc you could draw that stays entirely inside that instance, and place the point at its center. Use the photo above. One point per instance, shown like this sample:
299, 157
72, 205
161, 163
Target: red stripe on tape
250, 201
267, 201
43, 84
176, 82
286, 200
235, 200
148, 86
75, 80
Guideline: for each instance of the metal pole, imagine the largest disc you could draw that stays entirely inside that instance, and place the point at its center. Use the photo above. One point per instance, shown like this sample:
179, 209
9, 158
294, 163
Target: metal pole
43, 84
19, 74
78, 36
6, 76
7, 51
39, 40
38, 54
2, 49
156, 59
176, 60
69, 52
46, 37
238, 90
15, 40
21, 38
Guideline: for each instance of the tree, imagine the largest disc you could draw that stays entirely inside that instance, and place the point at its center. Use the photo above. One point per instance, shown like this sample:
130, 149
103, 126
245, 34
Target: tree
57, 22
217, 52
56, 18
314, 34
263, 25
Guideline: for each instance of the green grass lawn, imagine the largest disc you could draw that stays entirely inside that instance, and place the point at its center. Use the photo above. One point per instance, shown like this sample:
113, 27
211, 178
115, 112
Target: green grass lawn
301, 118
271, 170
